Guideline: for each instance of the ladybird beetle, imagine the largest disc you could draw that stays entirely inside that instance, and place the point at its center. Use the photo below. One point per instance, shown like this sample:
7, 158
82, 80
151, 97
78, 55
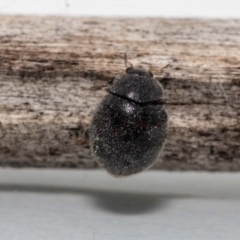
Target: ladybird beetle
129, 126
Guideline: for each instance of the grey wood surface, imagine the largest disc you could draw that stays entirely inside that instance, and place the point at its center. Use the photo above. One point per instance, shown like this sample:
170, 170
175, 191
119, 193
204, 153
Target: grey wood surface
53, 71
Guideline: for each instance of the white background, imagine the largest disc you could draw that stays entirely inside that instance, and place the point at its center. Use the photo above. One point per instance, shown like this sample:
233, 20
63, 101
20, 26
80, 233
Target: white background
82, 205
143, 8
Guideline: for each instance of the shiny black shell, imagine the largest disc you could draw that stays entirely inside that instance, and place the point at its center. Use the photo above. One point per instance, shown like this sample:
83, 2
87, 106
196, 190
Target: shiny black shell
129, 127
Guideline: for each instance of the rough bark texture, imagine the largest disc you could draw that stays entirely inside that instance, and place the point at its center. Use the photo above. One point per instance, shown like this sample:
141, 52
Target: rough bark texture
53, 70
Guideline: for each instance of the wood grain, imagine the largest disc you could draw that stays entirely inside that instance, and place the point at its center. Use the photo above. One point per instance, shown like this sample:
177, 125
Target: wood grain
53, 71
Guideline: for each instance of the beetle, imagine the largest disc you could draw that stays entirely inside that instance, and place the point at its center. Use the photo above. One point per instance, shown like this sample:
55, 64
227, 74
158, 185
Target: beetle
129, 126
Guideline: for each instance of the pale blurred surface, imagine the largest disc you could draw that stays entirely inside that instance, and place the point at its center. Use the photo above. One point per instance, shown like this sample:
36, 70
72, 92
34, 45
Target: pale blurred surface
130, 8
81, 204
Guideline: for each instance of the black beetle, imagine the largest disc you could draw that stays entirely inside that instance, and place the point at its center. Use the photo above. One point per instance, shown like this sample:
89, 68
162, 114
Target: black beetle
129, 127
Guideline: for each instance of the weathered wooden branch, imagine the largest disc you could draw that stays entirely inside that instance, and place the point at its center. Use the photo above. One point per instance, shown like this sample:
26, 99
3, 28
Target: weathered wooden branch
53, 70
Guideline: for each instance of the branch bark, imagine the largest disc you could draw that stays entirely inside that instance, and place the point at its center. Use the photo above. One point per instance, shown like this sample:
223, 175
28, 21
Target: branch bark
53, 70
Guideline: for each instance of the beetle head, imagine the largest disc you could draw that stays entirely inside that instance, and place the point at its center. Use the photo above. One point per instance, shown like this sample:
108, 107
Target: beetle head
138, 71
